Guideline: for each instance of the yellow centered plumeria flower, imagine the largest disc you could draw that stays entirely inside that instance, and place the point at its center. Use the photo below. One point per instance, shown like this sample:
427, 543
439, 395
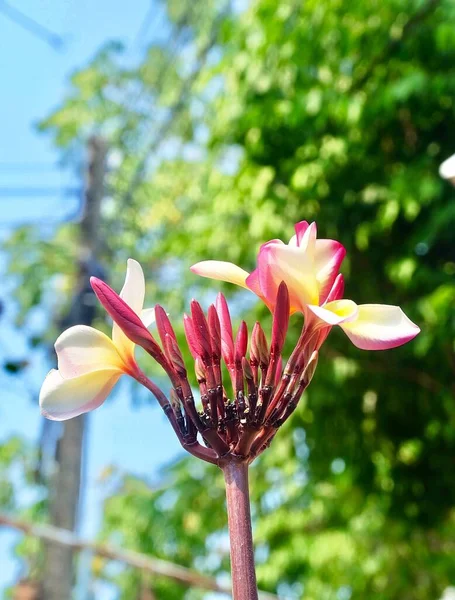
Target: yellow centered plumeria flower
89, 362
310, 269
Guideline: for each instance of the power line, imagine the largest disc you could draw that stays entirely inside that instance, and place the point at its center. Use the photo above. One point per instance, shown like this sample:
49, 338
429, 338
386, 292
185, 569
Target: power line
172, 48
38, 192
53, 216
32, 26
174, 110
28, 167
147, 21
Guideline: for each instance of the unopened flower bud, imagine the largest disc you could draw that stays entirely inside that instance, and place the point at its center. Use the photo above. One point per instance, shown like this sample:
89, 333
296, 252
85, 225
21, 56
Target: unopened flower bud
201, 330
259, 351
199, 370
215, 331
125, 317
247, 371
227, 340
163, 323
174, 355
190, 337
280, 319
241, 341
310, 368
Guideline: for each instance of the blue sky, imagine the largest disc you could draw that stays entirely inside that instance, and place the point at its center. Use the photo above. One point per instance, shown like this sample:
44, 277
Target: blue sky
35, 78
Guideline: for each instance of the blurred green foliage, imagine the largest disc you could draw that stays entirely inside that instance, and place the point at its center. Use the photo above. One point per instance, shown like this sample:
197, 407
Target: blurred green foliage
252, 120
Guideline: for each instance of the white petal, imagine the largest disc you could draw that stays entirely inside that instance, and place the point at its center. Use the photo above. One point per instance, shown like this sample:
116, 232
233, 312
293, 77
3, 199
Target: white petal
293, 241
307, 240
62, 399
133, 292
148, 316
83, 349
447, 168
380, 327
221, 270
335, 312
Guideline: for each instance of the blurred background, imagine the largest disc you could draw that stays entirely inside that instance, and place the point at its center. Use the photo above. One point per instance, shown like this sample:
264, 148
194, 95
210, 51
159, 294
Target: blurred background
173, 131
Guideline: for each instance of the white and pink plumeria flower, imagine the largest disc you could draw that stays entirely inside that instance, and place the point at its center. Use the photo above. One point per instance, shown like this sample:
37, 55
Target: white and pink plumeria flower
301, 276
310, 269
89, 362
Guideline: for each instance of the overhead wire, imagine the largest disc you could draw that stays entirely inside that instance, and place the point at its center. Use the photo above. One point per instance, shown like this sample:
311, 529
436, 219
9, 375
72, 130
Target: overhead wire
31, 25
176, 108
37, 192
173, 48
147, 21
28, 167
73, 213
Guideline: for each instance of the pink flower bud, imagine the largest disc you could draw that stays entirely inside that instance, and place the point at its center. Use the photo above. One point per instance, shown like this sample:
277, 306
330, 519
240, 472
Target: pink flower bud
190, 337
259, 351
174, 355
227, 340
125, 317
241, 342
247, 371
163, 323
201, 330
215, 331
280, 319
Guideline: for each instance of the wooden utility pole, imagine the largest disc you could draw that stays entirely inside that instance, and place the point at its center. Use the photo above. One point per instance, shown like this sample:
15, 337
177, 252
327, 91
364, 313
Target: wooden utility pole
66, 482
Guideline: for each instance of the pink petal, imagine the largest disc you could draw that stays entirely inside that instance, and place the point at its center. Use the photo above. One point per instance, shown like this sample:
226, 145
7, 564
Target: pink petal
279, 262
337, 291
252, 282
328, 256
300, 229
380, 327
254, 285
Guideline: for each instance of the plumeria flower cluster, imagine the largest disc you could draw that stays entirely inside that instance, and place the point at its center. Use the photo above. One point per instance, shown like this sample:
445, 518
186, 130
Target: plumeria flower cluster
301, 276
